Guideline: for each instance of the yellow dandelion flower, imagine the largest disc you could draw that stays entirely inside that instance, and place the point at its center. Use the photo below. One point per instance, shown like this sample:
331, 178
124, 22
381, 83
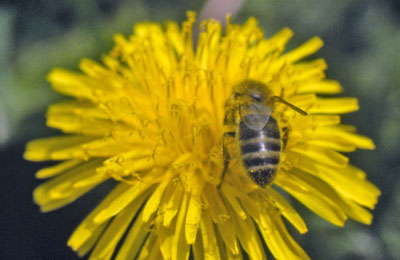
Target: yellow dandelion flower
151, 117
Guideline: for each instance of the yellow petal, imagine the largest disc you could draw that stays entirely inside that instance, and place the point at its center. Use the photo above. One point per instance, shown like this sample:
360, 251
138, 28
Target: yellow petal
70, 83
286, 209
193, 218
313, 121
322, 87
60, 191
304, 50
106, 245
356, 212
320, 155
134, 193
108, 79
75, 125
221, 246
350, 209
249, 238
171, 202
88, 228
91, 240
229, 192
281, 38
278, 239
313, 198
309, 71
217, 206
232, 256
149, 249
333, 144
154, 201
208, 236
333, 106
57, 169
180, 249
173, 34
133, 242
345, 181
228, 235
90, 181
198, 251
336, 133
165, 237
42, 149
154, 254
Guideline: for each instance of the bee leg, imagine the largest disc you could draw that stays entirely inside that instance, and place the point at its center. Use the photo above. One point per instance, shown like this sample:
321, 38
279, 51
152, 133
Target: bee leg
285, 136
226, 155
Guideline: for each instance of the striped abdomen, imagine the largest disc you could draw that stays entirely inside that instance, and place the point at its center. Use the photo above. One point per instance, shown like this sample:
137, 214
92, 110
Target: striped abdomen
260, 151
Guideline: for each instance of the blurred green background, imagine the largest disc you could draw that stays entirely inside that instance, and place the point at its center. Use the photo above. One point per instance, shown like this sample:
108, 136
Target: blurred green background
362, 49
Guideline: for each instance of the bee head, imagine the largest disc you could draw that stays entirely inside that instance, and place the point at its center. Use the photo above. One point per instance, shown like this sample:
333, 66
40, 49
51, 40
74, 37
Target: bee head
253, 90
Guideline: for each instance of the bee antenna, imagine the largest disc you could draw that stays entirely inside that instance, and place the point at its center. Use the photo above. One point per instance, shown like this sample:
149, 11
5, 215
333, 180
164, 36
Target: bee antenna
281, 100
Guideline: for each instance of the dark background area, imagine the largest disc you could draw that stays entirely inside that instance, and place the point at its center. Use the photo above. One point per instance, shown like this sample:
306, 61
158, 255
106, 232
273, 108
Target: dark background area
362, 49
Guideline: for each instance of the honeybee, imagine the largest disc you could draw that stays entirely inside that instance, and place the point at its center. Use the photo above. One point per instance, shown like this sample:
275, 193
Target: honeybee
248, 118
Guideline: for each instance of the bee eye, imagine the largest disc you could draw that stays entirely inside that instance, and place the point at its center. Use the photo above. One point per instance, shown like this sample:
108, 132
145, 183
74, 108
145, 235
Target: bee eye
257, 98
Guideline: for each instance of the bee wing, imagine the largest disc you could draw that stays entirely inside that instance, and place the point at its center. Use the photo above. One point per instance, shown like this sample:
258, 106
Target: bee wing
255, 115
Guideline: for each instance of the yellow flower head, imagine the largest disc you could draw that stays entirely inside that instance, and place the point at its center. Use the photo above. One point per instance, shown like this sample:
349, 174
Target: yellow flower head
151, 117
